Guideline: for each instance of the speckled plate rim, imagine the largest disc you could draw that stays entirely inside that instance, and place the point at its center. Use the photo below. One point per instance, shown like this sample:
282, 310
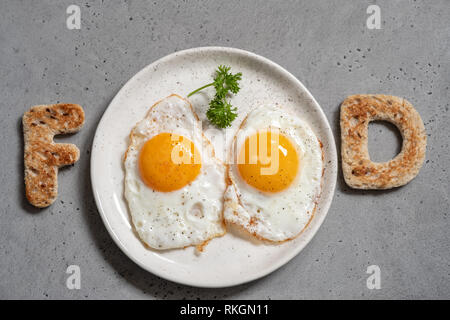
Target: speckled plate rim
325, 201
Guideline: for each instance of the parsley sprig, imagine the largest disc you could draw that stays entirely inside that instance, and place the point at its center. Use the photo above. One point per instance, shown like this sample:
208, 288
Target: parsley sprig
221, 113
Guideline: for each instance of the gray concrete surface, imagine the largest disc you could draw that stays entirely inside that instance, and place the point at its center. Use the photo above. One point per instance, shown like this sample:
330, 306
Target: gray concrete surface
326, 44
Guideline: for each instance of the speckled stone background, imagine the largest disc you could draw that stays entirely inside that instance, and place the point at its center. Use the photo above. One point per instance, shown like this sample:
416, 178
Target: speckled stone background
326, 44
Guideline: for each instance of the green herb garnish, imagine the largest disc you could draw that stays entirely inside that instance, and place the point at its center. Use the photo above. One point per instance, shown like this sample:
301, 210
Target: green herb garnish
221, 113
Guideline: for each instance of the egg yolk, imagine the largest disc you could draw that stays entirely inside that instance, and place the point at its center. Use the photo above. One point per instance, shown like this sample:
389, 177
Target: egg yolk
268, 161
168, 162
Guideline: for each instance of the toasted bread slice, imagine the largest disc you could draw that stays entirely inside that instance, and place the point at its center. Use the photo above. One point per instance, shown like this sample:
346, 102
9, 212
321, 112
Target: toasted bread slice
359, 171
43, 157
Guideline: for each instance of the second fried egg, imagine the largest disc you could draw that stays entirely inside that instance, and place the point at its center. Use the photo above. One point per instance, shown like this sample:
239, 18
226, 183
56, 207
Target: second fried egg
274, 175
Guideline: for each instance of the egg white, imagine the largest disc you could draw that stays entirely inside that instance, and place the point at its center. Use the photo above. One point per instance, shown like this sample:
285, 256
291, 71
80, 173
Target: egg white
191, 215
280, 216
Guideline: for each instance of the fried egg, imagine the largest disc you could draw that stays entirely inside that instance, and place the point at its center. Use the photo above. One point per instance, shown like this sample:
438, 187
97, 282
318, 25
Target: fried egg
274, 175
174, 185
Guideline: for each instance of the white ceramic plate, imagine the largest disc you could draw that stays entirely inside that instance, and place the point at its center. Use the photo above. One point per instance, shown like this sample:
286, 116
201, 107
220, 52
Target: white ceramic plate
229, 260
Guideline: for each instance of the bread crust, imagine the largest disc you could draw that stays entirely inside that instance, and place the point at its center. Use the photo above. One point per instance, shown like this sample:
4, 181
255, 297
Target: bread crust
42, 156
359, 171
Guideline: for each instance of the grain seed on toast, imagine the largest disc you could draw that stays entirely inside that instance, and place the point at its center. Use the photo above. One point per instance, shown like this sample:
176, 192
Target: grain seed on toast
359, 171
42, 156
